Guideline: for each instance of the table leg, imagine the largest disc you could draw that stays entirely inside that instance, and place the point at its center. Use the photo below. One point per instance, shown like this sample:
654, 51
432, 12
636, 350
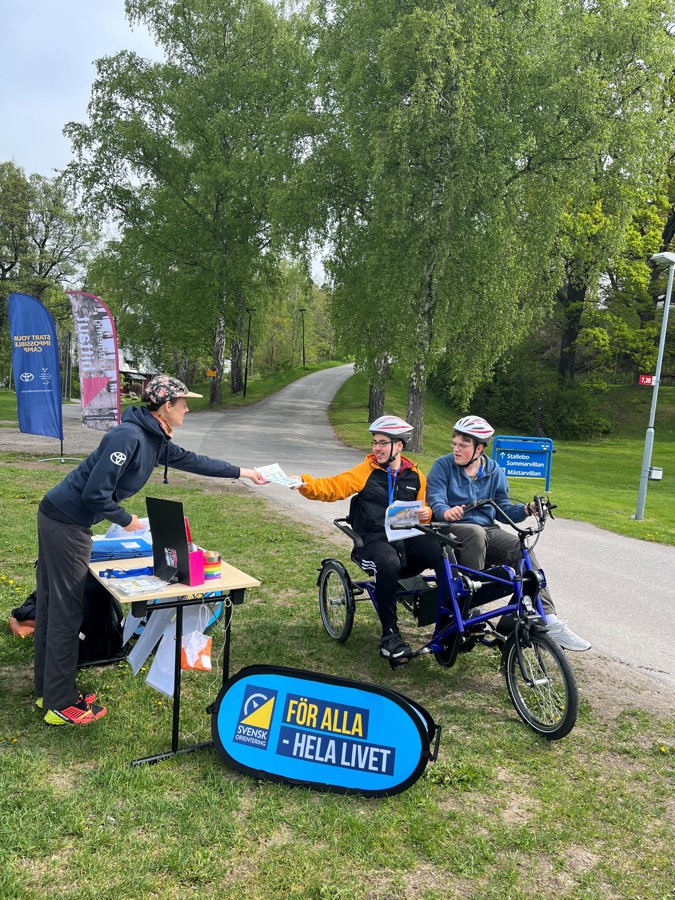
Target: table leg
176, 679
236, 597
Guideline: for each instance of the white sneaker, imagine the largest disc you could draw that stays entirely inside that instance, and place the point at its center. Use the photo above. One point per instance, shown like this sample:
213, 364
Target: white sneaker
563, 635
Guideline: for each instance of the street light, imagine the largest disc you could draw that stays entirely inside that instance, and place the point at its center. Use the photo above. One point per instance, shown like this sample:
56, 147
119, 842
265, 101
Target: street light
659, 259
249, 310
302, 313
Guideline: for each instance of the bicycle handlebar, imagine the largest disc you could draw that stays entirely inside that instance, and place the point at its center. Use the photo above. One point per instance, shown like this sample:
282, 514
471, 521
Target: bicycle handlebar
543, 505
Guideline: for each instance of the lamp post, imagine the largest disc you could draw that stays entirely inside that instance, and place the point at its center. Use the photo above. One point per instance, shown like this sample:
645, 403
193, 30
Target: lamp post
302, 313
660, 259
249, 310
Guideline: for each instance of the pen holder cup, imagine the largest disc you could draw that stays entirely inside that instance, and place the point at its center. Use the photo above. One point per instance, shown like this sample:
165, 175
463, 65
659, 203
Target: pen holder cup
213, 566
196, 567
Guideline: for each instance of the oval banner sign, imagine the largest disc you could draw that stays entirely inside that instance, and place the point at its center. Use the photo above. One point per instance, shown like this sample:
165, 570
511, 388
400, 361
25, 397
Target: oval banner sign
327, 733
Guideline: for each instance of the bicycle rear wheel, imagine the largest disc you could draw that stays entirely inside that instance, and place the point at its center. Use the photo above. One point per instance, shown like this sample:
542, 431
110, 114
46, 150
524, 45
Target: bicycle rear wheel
336, 601
550, 703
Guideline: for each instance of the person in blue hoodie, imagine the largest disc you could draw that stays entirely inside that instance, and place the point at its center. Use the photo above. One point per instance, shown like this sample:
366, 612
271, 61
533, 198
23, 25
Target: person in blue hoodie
93, 491
465, 475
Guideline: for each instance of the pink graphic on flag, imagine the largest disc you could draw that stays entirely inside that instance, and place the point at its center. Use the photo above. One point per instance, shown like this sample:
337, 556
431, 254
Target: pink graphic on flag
98, 361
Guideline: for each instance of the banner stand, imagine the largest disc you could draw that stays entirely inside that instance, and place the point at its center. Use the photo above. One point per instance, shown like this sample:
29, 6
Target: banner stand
63, 458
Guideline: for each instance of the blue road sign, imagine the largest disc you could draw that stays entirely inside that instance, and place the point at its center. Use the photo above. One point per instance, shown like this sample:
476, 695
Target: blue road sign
524, 457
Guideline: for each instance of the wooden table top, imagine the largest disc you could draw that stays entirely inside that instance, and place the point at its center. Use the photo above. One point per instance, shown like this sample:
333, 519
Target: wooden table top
230, 579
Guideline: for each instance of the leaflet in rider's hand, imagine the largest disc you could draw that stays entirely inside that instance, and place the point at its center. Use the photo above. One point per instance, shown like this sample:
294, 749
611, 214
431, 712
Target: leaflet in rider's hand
402, 512
276, 475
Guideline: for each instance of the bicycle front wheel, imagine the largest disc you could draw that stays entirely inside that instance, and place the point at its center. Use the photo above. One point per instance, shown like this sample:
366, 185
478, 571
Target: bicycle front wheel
544, 694
336, 601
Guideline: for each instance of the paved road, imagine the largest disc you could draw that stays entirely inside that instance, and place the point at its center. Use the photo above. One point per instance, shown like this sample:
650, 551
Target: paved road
617, 592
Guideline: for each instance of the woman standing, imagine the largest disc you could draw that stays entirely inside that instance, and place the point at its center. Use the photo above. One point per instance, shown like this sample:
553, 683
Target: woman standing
117, 469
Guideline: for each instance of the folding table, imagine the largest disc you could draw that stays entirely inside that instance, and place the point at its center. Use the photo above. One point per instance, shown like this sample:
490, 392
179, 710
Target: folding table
232, 584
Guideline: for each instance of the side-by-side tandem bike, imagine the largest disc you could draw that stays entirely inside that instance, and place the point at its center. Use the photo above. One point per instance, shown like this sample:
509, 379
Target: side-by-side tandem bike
499, 608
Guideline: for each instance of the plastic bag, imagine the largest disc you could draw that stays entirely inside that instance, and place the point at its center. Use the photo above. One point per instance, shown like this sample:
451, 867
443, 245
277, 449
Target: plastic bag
196, 652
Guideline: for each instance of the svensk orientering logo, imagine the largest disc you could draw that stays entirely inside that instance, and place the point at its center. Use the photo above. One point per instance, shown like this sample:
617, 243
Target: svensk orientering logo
255, 717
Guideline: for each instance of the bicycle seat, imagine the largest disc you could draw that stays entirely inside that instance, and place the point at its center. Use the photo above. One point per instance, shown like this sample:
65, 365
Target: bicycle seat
414, 585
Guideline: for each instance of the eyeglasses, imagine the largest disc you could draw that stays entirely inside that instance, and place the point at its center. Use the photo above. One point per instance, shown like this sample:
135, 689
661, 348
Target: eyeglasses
460, 445
381, 443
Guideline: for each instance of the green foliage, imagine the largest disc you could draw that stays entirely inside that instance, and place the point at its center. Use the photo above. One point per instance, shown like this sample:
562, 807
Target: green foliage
195, 164
45, 242
459, 144
280, 328
527, 394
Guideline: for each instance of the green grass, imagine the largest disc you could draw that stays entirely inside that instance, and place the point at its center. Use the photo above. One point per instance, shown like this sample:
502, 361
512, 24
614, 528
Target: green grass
500, 815
8, 405
592, 481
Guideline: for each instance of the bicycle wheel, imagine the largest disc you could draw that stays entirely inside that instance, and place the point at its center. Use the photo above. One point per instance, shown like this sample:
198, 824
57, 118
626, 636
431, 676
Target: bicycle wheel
550, 704
336, 600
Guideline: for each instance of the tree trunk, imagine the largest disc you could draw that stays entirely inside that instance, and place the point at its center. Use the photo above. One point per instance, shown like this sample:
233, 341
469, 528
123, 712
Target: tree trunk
376, 393
417, 386
377, 390
237, 350
216, 387
236, 378
572, 299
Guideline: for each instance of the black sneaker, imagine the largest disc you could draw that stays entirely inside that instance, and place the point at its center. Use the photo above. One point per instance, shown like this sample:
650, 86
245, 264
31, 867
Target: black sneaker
392, 646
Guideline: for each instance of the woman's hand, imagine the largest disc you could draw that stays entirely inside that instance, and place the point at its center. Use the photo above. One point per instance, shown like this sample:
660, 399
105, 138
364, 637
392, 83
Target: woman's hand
134, 525
253, 476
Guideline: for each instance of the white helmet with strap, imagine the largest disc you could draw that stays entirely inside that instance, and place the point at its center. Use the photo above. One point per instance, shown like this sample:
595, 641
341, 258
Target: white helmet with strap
393, 427
476, 427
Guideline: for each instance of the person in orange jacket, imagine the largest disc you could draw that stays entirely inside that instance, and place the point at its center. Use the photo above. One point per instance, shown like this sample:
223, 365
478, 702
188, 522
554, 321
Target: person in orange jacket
383, 477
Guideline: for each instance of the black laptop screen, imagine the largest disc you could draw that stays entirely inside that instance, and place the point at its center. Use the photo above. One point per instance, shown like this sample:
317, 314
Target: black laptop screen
169, 538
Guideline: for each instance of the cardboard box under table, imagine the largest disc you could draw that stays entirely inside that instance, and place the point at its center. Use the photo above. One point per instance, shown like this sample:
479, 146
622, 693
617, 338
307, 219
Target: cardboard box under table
232, 583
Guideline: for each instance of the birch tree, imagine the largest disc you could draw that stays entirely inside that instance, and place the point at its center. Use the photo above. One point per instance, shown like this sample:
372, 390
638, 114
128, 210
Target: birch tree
191, 156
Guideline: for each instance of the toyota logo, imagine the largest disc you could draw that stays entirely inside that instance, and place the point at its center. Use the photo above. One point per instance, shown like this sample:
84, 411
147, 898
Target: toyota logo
118, 458
26, 376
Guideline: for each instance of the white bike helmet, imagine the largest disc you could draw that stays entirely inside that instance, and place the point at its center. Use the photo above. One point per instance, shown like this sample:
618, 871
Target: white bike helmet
475, 427
393, 427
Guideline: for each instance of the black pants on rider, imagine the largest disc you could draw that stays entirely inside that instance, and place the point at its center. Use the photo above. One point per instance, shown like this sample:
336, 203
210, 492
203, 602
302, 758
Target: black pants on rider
392, 561
491, 545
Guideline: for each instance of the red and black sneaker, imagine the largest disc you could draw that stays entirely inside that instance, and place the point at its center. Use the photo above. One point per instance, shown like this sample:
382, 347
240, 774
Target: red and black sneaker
80, 713
88, 698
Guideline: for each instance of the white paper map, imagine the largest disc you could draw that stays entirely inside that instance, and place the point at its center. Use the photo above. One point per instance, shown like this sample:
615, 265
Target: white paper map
276, 475
402, 512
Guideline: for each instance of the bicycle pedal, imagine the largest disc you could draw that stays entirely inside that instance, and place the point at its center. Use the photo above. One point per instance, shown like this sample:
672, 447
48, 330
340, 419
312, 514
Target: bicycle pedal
397, 663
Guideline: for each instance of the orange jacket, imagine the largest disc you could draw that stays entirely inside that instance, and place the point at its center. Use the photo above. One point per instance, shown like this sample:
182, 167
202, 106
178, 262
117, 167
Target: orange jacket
371, 483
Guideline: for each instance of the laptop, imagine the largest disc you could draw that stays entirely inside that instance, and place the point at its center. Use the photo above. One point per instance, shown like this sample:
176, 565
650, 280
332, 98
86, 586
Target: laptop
169, 540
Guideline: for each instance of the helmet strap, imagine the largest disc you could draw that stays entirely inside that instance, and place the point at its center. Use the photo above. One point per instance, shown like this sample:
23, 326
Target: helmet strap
473, 455
393, 455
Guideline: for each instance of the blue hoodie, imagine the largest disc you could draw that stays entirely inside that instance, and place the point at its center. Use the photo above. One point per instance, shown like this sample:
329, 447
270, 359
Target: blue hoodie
448, 485
121, 465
